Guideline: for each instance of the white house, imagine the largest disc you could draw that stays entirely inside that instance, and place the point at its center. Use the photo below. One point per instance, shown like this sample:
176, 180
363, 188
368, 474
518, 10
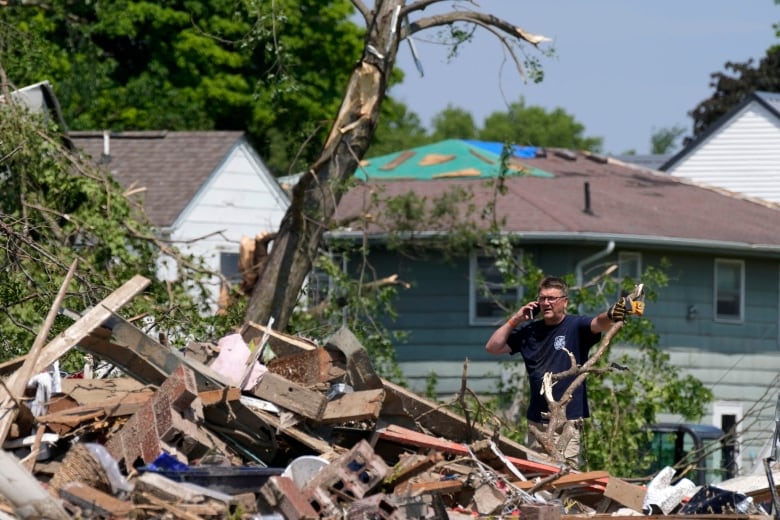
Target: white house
740, 152
202, 190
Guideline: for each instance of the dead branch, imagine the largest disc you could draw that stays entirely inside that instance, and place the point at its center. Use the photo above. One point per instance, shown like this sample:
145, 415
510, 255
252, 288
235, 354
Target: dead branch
557, 409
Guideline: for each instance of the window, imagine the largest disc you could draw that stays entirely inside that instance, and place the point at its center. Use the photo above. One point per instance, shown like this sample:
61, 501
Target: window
630, 266
490, 298
228, 266
729, 289
319, 284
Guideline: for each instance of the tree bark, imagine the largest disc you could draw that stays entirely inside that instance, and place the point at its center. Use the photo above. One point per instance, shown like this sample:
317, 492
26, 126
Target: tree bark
315, 197
318, 192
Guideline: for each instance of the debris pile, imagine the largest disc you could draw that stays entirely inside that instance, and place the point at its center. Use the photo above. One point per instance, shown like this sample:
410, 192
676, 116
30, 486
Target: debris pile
210, 432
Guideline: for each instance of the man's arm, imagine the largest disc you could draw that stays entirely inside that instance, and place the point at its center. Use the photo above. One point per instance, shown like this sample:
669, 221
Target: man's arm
601, 323
497, 342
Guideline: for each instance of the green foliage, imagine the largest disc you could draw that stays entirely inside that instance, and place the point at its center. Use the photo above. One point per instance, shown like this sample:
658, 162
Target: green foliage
56, 208
664, 140
274, 69
534, 126
731, 89
400, 129
453, 123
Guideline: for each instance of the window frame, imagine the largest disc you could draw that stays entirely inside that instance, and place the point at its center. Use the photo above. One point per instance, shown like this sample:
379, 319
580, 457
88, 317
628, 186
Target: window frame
233, 277
474, 298
740, 317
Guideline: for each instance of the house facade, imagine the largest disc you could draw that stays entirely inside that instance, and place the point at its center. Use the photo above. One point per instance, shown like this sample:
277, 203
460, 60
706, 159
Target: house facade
717, 318
740, 152
203, 191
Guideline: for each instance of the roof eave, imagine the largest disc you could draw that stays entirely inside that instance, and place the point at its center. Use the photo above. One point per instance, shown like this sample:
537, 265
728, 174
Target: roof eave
655, 242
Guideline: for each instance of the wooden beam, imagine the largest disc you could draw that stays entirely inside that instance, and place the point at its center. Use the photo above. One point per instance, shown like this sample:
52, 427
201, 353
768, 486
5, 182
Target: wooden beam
92, 319
17, 386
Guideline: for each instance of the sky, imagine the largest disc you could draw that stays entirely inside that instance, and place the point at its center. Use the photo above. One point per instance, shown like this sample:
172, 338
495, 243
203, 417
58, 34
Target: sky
622, 68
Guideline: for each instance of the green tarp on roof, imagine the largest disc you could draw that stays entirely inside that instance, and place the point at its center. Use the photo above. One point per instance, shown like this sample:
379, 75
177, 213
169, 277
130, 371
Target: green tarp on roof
452, 158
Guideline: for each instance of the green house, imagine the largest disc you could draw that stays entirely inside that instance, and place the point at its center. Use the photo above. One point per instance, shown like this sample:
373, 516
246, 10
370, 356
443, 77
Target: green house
578, 213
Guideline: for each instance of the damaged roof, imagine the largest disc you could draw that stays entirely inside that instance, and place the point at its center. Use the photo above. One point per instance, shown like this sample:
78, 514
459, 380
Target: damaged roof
451, 158
592, 197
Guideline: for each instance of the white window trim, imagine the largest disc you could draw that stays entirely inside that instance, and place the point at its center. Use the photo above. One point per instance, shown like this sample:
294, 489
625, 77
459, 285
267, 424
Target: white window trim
741, 317
473, 320
721, 408
628, 256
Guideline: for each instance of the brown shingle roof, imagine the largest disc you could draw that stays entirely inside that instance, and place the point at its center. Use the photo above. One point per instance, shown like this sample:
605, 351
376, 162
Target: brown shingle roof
172, 166
625, 201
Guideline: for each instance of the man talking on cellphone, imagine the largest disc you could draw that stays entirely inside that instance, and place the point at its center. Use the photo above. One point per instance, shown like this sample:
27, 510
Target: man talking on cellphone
544, 345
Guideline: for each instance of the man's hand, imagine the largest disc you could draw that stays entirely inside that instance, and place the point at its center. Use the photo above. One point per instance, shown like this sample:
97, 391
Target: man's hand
633, 303
617, 312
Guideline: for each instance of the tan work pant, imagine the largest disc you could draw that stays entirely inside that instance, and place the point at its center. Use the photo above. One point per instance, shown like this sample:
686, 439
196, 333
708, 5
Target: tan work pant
571, 452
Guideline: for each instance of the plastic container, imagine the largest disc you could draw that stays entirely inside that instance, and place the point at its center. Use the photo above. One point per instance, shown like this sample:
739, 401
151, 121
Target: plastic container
303, 469
226, 479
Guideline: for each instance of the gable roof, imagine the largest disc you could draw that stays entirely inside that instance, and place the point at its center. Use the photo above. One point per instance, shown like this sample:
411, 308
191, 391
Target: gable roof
171, 166
590, 198
769, 100
451, 158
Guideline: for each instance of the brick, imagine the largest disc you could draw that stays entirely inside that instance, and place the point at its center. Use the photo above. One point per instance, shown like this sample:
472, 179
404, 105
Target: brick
180, 388
282, 494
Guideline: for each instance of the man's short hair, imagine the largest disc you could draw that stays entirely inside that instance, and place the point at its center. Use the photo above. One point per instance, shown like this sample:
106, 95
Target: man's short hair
554, 282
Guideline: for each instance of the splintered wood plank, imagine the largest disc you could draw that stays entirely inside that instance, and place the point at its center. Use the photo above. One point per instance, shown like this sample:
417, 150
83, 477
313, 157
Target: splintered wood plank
92, 319
93, 500
625, 493
290, 396
440, 421
576, 479
398, 161
354, 406
282, 344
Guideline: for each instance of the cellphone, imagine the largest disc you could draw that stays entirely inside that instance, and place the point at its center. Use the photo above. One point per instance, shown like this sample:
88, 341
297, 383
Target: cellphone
534, 312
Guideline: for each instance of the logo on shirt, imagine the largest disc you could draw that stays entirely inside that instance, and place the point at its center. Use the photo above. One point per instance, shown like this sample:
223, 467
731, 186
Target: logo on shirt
560, 342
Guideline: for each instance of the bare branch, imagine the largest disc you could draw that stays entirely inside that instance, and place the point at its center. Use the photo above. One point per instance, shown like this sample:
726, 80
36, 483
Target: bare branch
474, 17
362, 9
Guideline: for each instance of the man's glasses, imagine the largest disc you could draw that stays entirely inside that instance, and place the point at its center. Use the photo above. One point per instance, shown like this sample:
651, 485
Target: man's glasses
550, 299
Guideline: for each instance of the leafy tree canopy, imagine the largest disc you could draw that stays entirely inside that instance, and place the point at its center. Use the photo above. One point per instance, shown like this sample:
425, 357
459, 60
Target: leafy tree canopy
731, 89
274, 69
520, 124
56, 208
534, 126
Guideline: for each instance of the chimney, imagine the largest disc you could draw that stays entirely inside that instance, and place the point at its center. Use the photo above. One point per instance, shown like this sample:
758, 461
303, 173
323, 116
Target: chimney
587, 209
106, 157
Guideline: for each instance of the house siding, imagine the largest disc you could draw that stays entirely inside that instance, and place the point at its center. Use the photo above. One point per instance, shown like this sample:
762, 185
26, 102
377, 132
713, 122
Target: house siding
240, 199
741, 156
739, 362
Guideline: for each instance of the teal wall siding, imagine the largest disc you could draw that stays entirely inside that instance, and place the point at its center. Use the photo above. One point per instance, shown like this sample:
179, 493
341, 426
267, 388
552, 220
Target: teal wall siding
435, 313
739, 362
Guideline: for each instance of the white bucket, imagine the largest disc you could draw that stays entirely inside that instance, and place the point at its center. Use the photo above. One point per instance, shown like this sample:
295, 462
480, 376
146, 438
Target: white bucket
303, 469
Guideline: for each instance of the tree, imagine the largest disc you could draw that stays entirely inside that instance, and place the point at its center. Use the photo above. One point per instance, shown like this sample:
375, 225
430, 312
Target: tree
275, 70
453, 123
534, 126
663, 140
319, 190
730, 90
400, 129
56, 207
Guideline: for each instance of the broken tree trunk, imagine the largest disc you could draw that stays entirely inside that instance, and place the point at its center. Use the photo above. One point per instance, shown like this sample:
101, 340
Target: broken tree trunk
319, 190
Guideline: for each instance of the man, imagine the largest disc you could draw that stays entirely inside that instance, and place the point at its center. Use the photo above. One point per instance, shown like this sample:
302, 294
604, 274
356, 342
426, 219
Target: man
544, 344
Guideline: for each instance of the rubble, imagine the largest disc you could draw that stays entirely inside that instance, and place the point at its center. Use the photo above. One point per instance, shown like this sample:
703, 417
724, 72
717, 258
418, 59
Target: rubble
303, 432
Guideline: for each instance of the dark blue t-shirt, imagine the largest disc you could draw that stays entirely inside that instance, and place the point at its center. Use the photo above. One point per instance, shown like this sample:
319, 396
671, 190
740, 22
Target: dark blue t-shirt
542, 349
